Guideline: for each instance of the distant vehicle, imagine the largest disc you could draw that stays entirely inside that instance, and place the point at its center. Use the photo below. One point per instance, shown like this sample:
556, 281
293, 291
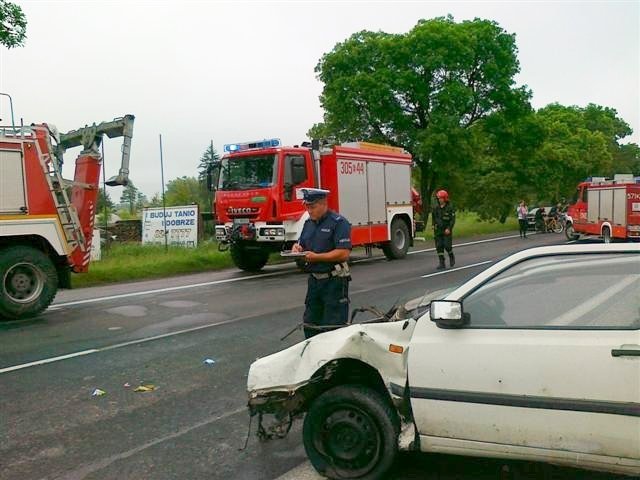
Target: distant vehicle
607, 208
46, 221
531, 217
536, 358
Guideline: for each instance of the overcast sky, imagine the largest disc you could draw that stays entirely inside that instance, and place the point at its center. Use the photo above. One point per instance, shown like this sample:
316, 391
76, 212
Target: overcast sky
236, 71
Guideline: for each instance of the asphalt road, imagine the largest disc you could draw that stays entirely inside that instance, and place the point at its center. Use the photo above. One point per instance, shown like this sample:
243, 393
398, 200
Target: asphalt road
193, 425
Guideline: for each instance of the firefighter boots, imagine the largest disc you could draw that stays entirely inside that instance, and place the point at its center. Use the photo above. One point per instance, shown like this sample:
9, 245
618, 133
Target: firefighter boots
441, 265
452, 259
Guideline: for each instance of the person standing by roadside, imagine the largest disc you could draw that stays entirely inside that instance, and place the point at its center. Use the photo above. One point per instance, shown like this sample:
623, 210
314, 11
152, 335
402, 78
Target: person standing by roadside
444, 218
522, 218
326, 242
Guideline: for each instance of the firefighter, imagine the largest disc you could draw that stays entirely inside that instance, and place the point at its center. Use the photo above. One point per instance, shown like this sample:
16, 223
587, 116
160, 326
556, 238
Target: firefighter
326, 240
444, 218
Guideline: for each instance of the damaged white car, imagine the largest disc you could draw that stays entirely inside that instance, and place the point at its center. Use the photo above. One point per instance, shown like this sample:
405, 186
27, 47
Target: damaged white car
536, 358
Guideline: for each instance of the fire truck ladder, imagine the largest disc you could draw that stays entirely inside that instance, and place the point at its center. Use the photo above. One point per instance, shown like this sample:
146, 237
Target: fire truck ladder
66, 211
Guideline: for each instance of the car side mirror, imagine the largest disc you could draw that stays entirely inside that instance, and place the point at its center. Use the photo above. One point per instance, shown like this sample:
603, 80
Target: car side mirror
447, 314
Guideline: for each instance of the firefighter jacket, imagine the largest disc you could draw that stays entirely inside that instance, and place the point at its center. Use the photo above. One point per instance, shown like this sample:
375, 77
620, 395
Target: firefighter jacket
443, 218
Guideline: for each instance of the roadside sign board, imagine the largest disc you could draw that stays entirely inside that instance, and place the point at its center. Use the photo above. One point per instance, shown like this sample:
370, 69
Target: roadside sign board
179, 224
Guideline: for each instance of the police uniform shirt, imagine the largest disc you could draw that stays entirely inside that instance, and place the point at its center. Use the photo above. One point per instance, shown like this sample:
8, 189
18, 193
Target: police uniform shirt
328, 233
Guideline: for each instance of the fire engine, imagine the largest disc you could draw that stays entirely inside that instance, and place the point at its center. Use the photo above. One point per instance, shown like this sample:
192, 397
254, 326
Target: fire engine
609, 208
258, 209
46, 221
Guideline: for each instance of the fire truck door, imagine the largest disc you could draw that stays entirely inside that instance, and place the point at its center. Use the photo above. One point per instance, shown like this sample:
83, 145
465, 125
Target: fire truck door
295, 174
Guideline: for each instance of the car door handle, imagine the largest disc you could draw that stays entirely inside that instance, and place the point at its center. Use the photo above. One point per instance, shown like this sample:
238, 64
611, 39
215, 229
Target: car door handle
626, 351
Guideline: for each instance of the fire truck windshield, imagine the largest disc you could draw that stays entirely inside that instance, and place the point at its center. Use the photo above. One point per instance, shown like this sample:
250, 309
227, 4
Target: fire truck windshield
245, 173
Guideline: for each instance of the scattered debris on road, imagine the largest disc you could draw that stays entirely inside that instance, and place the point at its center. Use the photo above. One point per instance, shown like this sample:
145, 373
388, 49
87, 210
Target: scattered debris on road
209, 361
126, 385
98, 393
145, 388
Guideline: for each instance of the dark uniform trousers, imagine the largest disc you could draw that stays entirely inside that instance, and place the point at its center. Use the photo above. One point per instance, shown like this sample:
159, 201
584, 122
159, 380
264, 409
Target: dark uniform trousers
443, 242
327, 303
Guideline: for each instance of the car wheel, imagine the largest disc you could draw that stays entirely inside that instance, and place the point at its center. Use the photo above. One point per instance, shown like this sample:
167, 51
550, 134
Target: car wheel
606, 235
28, 283
351, 432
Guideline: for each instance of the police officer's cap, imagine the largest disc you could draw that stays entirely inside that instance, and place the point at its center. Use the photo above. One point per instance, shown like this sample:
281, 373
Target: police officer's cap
311, 195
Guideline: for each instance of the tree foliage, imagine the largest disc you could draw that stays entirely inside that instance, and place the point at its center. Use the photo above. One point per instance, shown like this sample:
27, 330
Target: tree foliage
185, 191
104, 202
13, 25
445, 92
425, 90
208, 158
133, 198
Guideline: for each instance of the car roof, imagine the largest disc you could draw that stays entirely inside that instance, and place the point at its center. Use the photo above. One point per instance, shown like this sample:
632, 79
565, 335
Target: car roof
539, 252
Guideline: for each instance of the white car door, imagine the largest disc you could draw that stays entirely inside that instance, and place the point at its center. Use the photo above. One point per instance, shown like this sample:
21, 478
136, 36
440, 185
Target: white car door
549, 359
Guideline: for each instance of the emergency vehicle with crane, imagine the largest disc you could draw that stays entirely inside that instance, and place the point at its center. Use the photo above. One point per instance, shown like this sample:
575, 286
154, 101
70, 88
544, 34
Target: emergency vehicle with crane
604, 207
259, 209
46, 221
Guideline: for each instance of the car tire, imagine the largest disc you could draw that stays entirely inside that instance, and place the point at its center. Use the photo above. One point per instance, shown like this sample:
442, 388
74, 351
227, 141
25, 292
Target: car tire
398, 246
606, 235
351, 432
28, 282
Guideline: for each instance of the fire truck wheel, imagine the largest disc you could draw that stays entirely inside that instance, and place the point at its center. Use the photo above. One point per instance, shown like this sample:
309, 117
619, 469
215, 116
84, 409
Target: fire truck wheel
28, 284
398, 246
606, 235
248, 259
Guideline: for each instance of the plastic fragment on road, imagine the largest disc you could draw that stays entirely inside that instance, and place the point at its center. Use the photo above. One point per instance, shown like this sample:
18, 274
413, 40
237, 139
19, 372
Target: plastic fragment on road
145, 388
98, 393
209, 361
126, 385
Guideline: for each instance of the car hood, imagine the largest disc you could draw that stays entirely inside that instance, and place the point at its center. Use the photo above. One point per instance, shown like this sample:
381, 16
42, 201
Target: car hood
370, 343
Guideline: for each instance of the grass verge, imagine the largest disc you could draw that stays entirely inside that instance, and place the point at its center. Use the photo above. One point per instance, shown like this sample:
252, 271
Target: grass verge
468, 224
128, 262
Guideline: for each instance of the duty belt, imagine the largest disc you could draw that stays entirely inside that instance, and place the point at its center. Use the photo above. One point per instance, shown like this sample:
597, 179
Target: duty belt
339, 270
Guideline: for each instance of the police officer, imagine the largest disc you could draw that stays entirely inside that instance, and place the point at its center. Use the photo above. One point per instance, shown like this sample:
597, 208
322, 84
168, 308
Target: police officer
444, 218
326, 240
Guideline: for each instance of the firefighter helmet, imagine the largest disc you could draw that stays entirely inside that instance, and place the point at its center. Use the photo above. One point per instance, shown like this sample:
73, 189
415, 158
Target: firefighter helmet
443, 195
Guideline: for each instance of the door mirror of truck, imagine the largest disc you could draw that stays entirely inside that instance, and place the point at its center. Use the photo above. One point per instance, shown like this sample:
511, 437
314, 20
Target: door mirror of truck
213, 173
288, 191
447, 314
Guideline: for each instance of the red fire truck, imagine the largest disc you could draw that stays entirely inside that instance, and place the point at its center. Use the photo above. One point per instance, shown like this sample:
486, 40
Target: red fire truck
258, 210
46, 221
608, 208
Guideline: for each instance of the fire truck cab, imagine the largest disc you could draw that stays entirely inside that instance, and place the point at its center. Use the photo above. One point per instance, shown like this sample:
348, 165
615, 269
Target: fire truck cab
608, 208
258, 209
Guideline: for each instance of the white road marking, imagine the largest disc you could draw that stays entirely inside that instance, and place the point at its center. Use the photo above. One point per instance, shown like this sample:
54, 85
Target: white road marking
456, 269
119, 345
85, 470
48, 360
162, 290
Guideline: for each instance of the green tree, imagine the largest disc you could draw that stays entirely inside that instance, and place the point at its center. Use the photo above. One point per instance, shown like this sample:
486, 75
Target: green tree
426, 90
13, 25
208, 158
579, 142
156, 200
104, 201
184, 191
132, 197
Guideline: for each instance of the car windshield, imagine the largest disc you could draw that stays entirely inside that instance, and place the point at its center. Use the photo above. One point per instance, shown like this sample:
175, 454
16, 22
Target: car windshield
245, 173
